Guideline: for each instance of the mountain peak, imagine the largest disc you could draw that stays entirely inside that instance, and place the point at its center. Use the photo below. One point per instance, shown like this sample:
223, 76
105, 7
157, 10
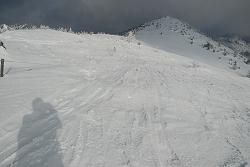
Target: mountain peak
162, 23
178, 37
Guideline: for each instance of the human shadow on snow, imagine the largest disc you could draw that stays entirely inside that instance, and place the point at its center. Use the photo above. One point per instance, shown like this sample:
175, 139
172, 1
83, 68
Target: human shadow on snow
37, 140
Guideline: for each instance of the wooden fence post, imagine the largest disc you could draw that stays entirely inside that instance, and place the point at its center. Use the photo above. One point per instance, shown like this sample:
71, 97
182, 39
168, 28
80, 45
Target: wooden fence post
2, 67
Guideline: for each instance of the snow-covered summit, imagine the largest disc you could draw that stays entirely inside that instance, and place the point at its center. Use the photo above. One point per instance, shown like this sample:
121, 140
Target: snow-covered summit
161, 23
176, 36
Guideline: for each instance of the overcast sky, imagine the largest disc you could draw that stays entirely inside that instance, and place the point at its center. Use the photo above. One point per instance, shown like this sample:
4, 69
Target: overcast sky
214, 17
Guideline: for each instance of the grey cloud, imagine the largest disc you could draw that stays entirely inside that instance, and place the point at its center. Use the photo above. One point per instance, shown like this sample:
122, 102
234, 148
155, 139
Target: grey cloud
225, 16
215, 17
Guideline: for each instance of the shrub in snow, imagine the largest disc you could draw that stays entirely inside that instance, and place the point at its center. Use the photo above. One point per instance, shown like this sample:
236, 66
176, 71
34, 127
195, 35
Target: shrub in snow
139, 44
225, 52
195, 64
248, 74
83, 32
208, 46
34, 27
62, 29
131, 37
70, 30
248, 61
234, 67
44, 27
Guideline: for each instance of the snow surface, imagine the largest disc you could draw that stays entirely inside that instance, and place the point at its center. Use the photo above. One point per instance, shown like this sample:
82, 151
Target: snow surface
99, 100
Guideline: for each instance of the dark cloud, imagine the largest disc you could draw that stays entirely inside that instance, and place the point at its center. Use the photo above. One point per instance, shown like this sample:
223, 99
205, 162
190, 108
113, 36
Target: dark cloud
112, 16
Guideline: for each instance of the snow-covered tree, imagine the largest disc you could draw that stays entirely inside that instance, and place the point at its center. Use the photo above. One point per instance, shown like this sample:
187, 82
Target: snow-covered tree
131, 37
234, 67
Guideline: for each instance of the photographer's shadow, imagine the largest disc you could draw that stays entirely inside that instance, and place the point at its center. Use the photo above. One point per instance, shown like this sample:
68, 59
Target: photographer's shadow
37, 140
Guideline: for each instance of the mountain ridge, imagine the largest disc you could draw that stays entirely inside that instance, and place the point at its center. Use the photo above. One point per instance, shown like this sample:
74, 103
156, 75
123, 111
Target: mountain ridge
141, 26
169, 34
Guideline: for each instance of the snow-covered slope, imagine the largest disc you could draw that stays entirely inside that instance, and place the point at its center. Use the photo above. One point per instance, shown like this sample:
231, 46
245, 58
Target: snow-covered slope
175, 36
98, 100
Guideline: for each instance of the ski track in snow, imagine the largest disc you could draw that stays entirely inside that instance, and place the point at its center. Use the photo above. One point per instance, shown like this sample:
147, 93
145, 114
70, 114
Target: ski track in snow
128, 107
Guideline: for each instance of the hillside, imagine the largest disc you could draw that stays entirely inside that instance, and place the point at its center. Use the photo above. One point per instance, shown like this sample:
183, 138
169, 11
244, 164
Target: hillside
176, 36
240, 47
103, 100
